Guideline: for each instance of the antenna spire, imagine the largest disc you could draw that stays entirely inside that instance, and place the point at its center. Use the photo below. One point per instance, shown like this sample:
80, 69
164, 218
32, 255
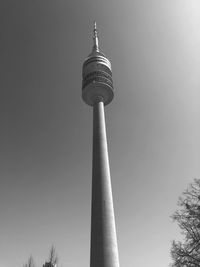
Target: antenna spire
95, 38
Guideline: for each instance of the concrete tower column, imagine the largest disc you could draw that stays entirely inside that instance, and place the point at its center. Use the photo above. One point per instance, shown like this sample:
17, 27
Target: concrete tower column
98, 91
104, 251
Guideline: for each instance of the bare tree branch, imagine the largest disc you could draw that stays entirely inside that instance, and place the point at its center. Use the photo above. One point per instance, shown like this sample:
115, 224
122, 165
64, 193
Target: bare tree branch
30, 262
187, 253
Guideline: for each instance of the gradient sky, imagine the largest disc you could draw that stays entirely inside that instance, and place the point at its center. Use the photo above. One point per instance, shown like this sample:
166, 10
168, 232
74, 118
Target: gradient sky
153, 125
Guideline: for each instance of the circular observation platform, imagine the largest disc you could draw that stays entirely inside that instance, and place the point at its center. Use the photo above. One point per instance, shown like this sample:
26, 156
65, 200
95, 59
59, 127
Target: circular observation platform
97, 80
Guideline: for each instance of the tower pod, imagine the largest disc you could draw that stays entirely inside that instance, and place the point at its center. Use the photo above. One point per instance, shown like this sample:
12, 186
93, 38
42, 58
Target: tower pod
97, 76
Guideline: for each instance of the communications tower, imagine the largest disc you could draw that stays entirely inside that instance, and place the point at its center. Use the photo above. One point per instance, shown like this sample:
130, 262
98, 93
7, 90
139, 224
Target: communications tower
97, 91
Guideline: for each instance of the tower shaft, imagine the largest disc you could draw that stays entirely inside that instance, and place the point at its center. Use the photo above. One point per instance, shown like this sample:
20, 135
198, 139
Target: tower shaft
104, 251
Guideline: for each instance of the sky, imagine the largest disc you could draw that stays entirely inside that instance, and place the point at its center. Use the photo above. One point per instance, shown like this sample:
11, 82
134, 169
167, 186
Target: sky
153, 125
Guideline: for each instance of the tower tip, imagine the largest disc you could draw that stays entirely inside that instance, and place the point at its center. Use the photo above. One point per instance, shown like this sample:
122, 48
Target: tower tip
95, 25
95, 38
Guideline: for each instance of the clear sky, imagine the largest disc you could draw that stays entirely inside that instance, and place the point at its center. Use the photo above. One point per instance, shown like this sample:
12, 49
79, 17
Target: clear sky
153, 125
